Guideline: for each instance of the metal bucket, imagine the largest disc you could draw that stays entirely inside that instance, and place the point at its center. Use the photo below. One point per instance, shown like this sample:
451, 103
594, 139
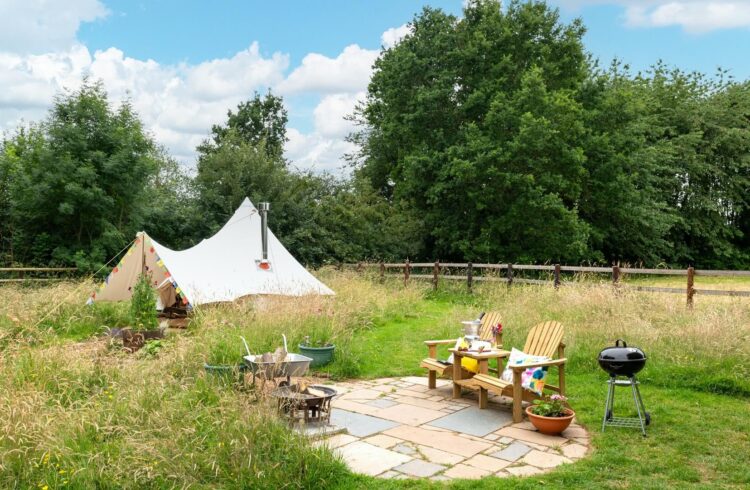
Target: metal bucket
471, 327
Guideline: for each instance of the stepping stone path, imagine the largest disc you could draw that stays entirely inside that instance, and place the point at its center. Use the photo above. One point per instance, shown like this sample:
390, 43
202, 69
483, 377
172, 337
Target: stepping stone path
398, 428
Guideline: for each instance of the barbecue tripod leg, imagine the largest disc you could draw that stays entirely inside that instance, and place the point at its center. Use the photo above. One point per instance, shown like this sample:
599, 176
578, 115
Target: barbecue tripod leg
636, 396
609, 403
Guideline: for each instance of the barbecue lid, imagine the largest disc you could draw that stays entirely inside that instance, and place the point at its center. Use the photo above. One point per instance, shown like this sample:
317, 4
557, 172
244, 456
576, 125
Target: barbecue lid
622, 353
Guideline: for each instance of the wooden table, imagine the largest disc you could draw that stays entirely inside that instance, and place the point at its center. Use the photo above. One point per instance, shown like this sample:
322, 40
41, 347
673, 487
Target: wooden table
482, 359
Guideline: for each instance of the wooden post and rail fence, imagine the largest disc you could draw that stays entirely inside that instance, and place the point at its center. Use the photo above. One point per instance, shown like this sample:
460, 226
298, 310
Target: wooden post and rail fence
32, 274
615, 272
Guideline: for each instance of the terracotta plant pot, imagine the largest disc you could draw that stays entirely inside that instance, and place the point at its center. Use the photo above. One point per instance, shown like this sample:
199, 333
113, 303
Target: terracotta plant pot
550, 425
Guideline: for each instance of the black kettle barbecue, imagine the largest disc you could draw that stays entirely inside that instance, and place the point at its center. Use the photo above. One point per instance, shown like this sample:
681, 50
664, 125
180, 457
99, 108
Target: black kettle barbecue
621, 360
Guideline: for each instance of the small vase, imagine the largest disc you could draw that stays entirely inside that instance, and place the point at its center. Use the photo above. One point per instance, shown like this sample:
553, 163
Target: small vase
550, 425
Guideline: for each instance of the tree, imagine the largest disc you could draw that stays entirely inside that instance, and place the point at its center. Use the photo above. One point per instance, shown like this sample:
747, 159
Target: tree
260, 119
76, 180
474, 123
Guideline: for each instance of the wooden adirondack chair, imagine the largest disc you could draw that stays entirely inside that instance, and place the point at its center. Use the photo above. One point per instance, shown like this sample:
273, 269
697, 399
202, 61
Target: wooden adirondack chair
544, 339
437, 368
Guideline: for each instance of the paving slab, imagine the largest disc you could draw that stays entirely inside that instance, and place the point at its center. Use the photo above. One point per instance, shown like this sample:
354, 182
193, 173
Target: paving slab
513, 452
438, 456
412, 393
404, 449
409, 414
335, 441
467, 472
445, 441
383, 441
474, 421
362, 394
532, 436
370, 460
572, 432
574, 451
419, 468
382, 403
544, 459
524, 470
487, 463
358, 424
317, 430
351, 406
420, 402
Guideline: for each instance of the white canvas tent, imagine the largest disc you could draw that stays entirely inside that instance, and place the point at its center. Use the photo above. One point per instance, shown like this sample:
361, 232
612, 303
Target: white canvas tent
221, 268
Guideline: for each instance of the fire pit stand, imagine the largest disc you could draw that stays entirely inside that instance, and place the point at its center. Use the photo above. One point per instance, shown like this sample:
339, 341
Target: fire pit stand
303, 406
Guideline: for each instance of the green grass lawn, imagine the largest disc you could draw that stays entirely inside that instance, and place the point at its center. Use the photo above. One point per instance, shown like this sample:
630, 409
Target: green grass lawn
75, 412
696, 438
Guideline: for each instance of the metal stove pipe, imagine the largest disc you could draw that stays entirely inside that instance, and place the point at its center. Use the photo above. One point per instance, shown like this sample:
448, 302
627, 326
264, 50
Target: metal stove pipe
263, 208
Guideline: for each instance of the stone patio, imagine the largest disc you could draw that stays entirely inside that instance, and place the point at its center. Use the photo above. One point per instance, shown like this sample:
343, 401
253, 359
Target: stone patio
398, 428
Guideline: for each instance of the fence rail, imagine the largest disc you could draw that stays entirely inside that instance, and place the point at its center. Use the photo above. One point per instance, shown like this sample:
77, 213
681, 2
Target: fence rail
20, 273
615, 272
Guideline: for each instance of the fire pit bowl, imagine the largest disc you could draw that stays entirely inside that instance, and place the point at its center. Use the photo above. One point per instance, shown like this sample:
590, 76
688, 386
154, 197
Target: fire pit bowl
621, 360
311, 404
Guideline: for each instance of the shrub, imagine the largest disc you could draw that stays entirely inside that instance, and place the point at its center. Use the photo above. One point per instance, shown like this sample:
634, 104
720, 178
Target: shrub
143, 305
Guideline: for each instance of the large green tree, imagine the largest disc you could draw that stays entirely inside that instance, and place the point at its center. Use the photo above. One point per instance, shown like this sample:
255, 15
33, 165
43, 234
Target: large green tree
475, 123
73, 184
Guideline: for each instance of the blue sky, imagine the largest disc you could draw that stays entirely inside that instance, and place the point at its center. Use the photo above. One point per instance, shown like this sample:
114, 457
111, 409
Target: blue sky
184, 63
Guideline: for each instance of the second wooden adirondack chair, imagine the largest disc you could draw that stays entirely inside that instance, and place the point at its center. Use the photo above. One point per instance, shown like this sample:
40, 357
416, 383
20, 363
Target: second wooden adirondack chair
439, 368
544, 339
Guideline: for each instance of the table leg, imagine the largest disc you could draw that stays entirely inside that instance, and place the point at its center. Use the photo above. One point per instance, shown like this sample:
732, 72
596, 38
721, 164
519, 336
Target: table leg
456, 375
484, 368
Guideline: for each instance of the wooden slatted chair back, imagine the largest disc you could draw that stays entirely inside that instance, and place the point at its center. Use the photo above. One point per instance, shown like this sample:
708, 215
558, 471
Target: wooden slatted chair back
489, 320
544, 339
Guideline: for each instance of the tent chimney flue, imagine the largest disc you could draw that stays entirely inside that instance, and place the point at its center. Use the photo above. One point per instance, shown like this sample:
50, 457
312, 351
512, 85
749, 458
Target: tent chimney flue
263, 208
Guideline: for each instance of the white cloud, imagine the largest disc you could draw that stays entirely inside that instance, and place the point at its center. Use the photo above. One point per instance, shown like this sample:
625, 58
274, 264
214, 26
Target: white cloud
38, 26
330, 114
695, 16
394, 35
177, 103
316, 152
348, 72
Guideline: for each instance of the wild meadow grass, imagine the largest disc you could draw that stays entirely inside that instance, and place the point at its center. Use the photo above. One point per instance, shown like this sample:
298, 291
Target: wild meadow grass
77, 412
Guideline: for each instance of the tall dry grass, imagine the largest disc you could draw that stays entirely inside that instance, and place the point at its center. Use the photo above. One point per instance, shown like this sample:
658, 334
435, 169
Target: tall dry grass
77, 411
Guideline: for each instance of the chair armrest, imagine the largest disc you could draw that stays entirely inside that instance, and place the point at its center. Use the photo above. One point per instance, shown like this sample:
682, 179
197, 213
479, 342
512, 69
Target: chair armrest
553, 362
439, 342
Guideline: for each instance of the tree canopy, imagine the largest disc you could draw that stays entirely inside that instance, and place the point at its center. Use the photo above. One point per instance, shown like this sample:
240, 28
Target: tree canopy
493, 136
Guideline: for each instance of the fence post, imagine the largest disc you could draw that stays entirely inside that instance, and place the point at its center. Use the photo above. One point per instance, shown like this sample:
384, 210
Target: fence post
615, 275
510, 274
407, 272
435, 275
382, 271
557, 276
616, 279
469, 275
690, 284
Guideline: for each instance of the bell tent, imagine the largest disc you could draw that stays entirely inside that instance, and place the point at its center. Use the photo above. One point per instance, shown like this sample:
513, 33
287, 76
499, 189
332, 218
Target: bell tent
243, 258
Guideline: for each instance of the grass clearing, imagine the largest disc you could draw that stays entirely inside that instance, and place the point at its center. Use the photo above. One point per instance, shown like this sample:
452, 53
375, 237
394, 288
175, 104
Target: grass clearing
76, 412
